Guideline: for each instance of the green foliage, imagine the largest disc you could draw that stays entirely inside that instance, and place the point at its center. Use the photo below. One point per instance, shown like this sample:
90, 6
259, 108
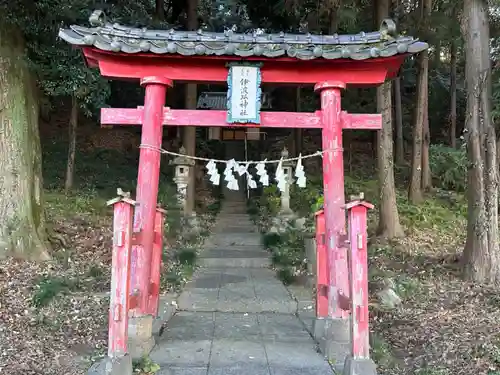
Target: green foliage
381, 351
270, 240
449, 167
287, 253
145, 366
186, 256
49, 287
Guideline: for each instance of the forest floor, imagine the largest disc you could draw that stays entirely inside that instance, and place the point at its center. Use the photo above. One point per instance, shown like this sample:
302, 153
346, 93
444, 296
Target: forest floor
53, 315
444, 325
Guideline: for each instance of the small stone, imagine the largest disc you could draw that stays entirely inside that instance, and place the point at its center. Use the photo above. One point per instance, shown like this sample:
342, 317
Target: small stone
389, 298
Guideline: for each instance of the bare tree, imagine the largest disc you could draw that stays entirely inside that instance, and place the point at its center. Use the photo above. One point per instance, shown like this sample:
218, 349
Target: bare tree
420, 163
73, 124
22, 219
389, 225
481, 255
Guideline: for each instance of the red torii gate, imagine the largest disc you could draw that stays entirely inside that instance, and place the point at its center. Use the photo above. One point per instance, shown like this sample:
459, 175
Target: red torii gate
158, 58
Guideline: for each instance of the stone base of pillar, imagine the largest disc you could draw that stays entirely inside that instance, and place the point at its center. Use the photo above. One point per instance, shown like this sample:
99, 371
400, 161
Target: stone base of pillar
359, 366
333, 337
112, 366
140, 336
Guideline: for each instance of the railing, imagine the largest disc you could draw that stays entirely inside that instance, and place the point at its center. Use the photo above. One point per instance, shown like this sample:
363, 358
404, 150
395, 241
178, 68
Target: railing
356, 300
122, 299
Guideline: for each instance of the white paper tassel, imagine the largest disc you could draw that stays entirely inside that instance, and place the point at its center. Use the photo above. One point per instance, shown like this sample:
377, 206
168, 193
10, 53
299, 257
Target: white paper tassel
251, 182
261, 168
228, 172
213, 172
262, 173
211, 166
243, 169
280, 176
264, 180
233, 184
299, 173
215, 179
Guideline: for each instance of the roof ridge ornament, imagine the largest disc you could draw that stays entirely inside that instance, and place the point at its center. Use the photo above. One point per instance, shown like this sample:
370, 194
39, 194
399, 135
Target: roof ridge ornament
97, 18
388, 29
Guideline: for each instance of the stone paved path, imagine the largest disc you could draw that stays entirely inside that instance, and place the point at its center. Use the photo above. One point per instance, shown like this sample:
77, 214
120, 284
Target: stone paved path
235, 316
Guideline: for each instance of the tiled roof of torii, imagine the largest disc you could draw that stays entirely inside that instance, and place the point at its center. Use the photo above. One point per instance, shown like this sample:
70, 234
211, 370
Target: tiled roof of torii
364, 45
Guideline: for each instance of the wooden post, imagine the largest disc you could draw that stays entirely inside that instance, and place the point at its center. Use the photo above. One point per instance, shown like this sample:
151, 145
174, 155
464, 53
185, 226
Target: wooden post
358, 259
147, 189
120, 276
154, 295
321, 267
333, 181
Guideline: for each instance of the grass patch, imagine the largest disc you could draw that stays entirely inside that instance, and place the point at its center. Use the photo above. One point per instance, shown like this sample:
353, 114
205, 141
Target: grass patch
82, 202
270, 240
50, 287
145, 366
381, 352
187, 256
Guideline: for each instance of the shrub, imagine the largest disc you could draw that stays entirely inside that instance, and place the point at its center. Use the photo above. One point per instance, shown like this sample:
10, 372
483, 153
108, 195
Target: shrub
448, 167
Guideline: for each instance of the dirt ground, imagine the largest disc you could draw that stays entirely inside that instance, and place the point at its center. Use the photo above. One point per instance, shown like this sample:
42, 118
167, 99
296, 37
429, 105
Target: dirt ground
444, 325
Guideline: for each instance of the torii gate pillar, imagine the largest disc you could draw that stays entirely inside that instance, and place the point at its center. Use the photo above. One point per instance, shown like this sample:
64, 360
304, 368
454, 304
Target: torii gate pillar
333, 332
141, 340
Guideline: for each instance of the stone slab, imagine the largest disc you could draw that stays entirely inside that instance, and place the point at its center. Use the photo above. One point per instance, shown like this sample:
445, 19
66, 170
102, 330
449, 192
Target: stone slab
112, 366
236, 262
182, 353
166, 310
246, 368
359, 366
228, 352
169, 370
289, 355
237, 327
191, 326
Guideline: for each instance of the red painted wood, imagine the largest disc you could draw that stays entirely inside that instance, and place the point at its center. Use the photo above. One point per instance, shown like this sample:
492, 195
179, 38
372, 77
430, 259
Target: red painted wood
214, 69
154, 297
147, 191
189, 117
361, 121
358, 266
333, 192
321, 267
120, 279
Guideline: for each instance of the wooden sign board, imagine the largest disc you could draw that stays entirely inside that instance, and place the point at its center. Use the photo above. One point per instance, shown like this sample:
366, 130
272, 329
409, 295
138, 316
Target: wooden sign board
244, 94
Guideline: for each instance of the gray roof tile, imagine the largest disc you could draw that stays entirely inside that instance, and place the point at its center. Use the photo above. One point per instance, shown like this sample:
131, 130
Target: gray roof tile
364, 45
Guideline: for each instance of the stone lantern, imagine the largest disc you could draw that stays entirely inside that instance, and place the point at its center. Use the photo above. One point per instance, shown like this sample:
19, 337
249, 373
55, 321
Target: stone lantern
182, 165
285, 195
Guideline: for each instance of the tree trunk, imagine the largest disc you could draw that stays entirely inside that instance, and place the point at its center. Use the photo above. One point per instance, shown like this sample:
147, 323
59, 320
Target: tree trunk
426, 168
420, 130
400, 151
159, 10
389, 225
481, 254
70, 166
189, 134
453, 94
22, 220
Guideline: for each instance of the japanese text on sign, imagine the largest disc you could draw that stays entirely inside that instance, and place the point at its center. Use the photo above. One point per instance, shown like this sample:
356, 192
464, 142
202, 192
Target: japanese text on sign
245, 94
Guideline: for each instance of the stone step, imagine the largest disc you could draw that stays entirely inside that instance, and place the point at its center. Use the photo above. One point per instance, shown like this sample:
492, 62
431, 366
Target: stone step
235, 262
238, 256
238, 239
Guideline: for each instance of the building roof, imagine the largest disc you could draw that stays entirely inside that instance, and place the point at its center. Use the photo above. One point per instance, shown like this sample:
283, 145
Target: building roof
123, 39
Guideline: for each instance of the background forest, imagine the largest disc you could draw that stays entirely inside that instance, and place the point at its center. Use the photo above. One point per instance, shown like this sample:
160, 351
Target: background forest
432, 173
